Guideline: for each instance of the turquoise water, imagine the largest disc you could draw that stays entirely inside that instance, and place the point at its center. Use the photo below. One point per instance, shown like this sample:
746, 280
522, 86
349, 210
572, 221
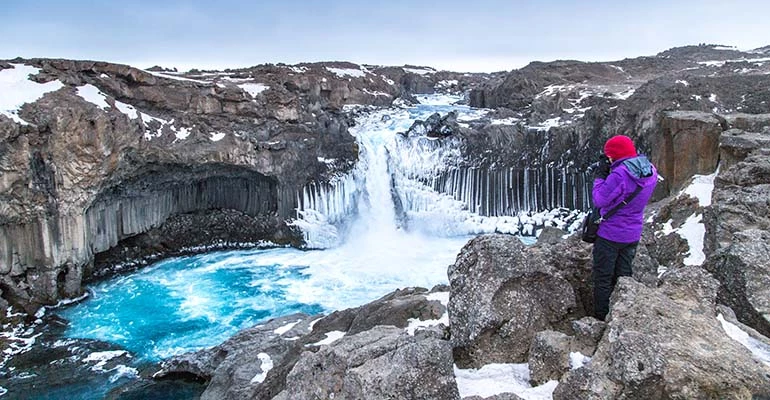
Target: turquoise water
185, 304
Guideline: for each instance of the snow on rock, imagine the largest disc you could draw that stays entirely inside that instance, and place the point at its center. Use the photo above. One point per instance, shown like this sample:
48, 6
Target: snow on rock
420, 71
181, 133
685, 83
760, 350
447, 83
298, 70
548, 124
102, 357
578, 360
625, 94
416, 323
176, 78
343, 72
217, 136
91, 94
331, 337
254, 89
693, 231
127, 109
286, 328
550, 90
493, 379
16, 90
373, 93
701, 188
266, 365
147, 119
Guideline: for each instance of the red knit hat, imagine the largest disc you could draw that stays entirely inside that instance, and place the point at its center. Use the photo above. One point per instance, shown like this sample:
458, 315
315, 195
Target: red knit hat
619, 146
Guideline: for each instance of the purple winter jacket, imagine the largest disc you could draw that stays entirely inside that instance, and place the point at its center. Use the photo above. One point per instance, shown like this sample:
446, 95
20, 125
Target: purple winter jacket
625, 174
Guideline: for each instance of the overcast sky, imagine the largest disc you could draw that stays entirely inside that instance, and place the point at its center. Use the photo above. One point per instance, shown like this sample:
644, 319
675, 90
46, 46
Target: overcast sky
477, 35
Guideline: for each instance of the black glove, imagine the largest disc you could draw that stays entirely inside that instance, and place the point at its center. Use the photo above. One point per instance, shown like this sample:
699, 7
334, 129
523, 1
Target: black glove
602, 169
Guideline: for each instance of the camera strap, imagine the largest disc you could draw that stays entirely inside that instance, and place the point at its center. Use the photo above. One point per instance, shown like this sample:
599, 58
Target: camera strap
620, 205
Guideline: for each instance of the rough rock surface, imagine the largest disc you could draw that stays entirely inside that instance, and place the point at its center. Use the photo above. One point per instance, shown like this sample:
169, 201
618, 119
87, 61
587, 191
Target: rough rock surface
667, 343
502, 294
381, 363
738, 227
549, 356
257, 361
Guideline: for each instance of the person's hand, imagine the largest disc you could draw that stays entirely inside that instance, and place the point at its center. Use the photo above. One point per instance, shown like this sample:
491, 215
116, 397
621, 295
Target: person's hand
602, 170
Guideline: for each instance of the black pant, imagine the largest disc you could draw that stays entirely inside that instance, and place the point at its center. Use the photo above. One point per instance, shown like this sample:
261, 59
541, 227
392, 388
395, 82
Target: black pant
611, 261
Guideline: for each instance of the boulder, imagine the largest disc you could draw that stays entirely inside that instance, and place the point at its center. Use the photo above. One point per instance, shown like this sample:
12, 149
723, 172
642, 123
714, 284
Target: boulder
503, 293
381, 363
667, 343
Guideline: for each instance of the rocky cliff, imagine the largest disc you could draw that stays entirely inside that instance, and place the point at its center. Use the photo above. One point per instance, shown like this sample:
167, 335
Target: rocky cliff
109, 163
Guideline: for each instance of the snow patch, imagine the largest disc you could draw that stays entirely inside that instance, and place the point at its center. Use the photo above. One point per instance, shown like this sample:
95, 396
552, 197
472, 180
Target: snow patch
420, 71
331, 337
373, 93
493, 379
217, 136
254, 89
343, 72
578, 360
286, 328
176, 78
181, 133
102, 357
701, 188
758, 349
266, 365
548, 124
416, 323
685, 83
693, 231
16, 90
713, 98
127, 109
625, 94
91, 94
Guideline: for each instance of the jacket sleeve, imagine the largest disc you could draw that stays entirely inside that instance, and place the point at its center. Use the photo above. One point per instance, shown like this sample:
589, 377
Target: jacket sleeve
606, 192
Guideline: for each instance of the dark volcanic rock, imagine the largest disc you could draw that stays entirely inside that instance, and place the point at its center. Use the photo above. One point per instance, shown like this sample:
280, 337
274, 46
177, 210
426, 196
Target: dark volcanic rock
667, 343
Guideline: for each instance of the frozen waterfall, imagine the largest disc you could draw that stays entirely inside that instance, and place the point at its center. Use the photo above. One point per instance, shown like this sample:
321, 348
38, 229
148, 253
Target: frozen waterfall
417, 184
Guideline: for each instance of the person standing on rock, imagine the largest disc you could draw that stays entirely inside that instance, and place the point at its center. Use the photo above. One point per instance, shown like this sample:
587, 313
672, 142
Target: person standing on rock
628, 180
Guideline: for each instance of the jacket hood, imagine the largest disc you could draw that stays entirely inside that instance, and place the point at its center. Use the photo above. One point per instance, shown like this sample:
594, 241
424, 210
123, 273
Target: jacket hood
638, 167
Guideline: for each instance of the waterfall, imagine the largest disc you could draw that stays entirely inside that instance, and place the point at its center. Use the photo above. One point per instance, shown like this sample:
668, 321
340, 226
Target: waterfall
417, 184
